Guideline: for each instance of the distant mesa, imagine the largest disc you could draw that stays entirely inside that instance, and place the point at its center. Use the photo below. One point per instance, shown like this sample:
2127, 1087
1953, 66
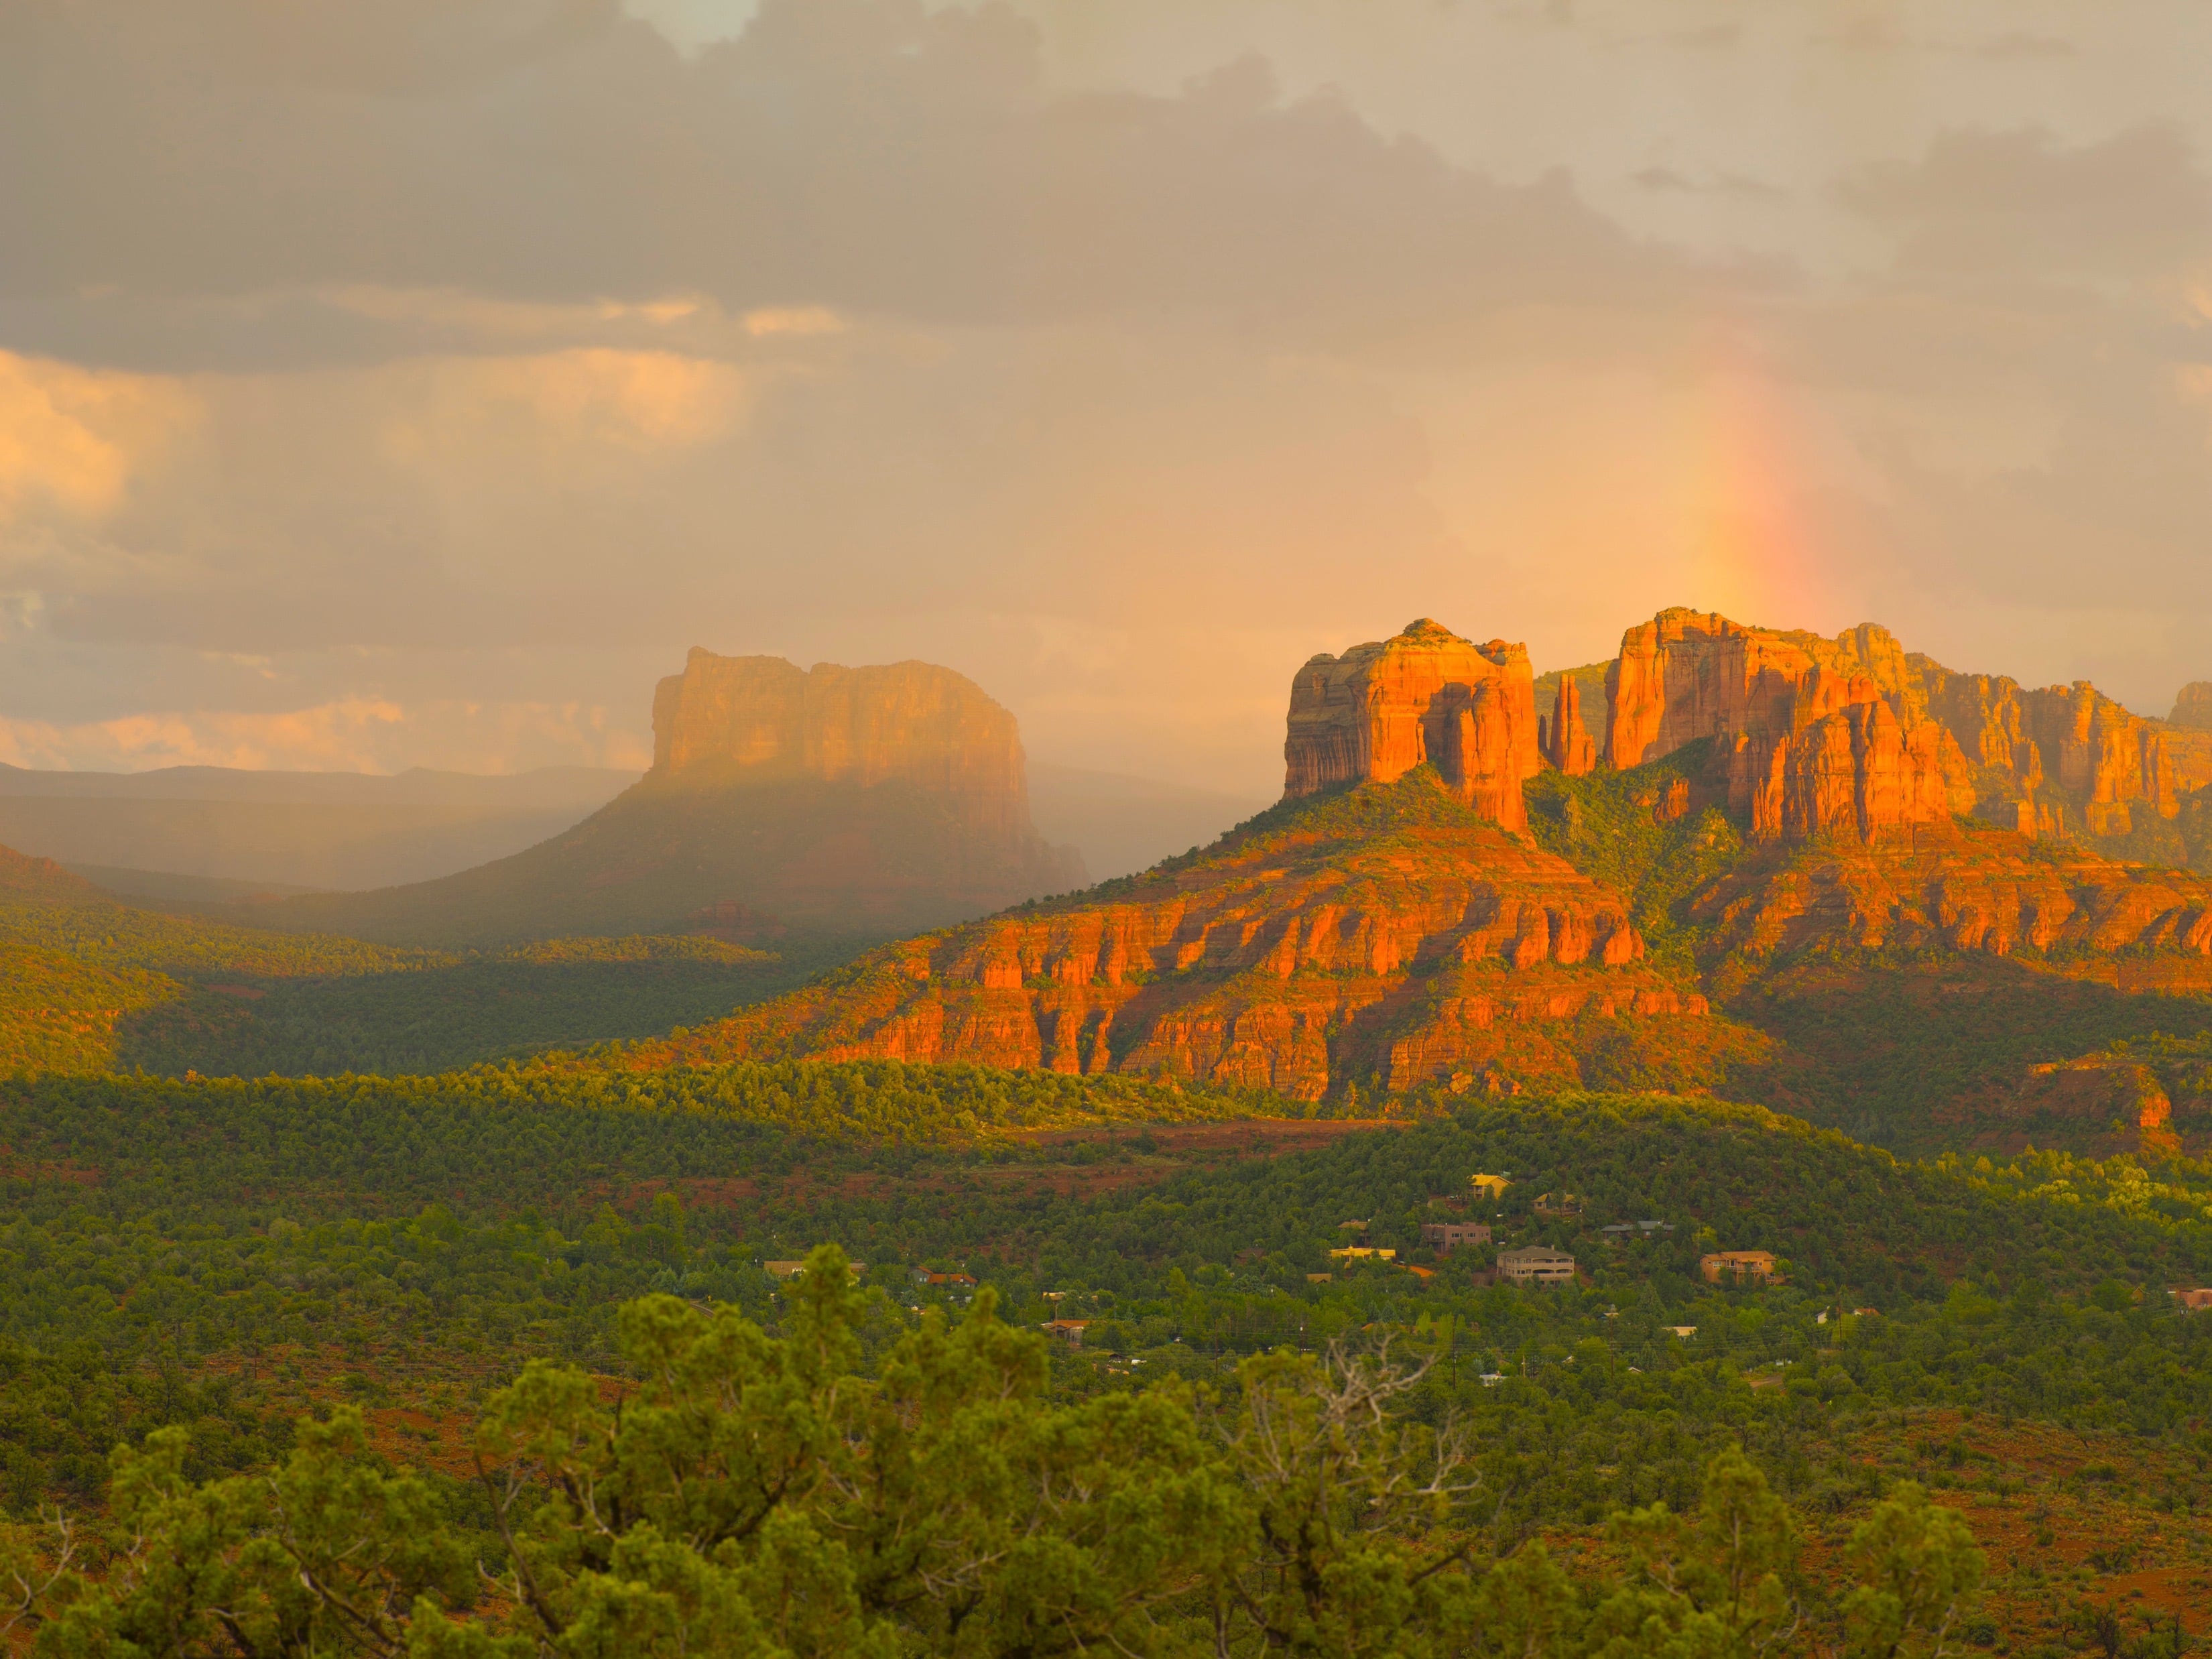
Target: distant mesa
742, 719
833, 803
1424, 696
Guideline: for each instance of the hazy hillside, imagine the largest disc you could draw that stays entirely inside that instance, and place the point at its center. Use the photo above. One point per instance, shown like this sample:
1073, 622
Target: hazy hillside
290, 830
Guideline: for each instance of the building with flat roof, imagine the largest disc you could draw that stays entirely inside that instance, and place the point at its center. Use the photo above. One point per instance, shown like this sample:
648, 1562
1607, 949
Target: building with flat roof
1755, 1266
1537, 1264
1448, 1235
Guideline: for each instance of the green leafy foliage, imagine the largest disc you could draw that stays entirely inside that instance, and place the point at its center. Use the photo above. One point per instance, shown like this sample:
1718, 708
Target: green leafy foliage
1616, 827
759, 1492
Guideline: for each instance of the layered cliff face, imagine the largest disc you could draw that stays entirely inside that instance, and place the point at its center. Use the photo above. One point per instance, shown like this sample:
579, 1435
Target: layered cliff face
1384, 938
1968, 887
851, 803
1814, 735
1425, 696
2064, 760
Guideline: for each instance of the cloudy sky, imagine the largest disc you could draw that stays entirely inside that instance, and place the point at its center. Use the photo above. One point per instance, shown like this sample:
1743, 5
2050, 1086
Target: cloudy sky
413, 384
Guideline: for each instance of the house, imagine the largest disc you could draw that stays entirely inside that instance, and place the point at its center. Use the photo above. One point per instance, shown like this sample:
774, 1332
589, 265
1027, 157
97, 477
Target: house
784, 1269
1359, 1252
1562, 1204
1490, 1186
1536, 1265
943, 1281
1319, 1279
1448, 1235
1686, 1332
1755, 1265
1069, 1331
2191, 1301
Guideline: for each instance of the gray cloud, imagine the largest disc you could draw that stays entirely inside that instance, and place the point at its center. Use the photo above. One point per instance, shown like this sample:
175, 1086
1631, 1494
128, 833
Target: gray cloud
217, 167
483, 355
2021, 203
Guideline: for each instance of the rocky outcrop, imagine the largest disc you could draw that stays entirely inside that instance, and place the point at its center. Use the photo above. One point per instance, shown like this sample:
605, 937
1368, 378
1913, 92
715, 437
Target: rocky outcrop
1387, 938
1424, 696
1565, 741
742, 718
2064, 759
1815, 735
1978, 889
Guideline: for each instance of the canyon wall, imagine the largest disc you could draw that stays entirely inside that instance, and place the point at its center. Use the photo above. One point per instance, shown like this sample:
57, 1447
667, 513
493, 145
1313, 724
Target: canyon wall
1424, 696
734, 719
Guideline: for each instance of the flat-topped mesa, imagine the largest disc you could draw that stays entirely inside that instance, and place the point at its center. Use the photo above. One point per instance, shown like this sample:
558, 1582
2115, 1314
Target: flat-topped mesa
1816, 735
757, 719
1425, 695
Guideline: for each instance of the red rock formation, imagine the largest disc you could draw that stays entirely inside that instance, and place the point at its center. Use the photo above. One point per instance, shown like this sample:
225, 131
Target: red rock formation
2065, 758
1567, 743
2192, 707
725, 717
1816, 734
1978, 889
1425, 696
1397, 938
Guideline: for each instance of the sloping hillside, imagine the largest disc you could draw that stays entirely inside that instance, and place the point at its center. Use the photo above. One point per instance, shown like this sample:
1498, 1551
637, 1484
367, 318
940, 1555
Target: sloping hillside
1375, 939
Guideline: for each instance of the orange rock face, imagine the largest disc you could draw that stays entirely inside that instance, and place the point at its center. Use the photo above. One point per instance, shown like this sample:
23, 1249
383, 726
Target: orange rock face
726, 718
1567, 741
1424, 696
1969, 889
2068, 757
2192, 707
1391, 935
1816, 734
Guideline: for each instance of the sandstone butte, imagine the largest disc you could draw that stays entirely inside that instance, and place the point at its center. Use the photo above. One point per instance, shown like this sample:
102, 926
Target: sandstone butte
1815, 734
741, 718
1425, 696
847, 803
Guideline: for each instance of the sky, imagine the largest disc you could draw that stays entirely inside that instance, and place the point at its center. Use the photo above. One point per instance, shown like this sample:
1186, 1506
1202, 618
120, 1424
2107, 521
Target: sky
413, 384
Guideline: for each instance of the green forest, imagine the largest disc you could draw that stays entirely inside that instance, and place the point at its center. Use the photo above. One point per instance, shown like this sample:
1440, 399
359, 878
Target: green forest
218, 1272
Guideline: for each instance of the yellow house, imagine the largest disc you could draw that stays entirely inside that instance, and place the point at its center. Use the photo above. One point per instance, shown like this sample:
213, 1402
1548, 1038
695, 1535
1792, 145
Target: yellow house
1492, 1185
1354, 1252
